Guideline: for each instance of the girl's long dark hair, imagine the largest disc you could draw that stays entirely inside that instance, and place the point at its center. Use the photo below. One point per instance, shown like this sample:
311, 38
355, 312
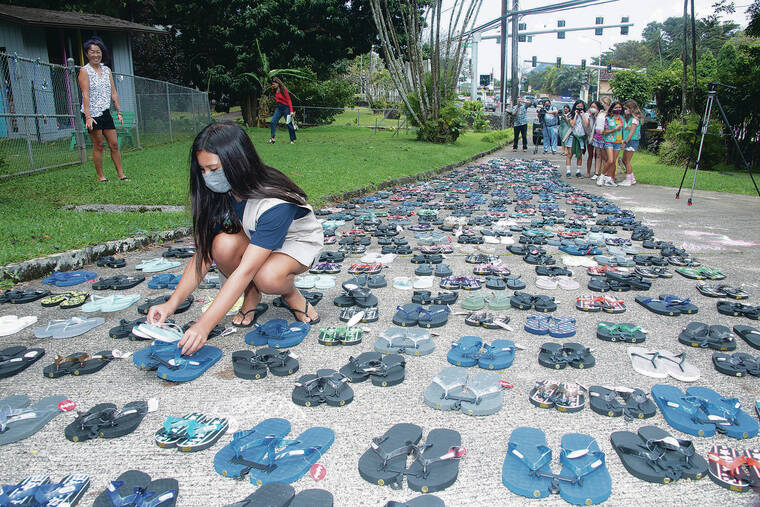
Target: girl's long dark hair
573, 110
280, 85
249, 177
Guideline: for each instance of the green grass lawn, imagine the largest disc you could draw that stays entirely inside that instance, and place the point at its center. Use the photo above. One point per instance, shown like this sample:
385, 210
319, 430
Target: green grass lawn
648, 170
324, 161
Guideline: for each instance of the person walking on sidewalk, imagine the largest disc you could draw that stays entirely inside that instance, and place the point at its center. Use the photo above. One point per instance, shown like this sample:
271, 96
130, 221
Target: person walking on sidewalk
631, 138
599, 152
591, 140
254, 223
98, 91
520, 123
613, 142
576, 139
284, 108
551, 122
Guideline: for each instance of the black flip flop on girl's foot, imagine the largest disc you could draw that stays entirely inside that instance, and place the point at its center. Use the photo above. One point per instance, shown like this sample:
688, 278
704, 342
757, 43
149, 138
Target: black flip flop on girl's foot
304, 312
258, 311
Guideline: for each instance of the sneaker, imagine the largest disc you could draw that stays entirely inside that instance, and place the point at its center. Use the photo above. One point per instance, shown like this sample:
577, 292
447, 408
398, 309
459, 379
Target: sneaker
609, 182
626, 182
600, 180
593, 176
633, 179
567, 174
578, 174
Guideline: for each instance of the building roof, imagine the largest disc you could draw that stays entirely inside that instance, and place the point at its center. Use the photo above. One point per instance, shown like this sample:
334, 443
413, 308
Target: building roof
62, 19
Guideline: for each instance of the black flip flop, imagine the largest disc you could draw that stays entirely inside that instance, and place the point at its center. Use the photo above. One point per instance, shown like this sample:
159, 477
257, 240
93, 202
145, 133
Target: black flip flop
749, 334
247, 364
384, 463
258, 311
440, 453
123, 486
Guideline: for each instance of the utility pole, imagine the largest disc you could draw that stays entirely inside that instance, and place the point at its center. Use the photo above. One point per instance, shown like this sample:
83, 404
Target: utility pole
503, 86
515, 40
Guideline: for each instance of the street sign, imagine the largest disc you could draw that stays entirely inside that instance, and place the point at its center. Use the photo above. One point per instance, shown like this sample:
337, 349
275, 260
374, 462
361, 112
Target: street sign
485, 79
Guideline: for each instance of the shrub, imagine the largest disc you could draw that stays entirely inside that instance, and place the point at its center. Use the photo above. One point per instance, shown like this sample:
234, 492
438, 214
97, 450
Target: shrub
679, 139
499, 136
332, 93
446, 129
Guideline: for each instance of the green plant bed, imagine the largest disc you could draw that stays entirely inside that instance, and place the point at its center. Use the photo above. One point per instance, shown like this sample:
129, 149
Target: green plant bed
649, 170
324, 161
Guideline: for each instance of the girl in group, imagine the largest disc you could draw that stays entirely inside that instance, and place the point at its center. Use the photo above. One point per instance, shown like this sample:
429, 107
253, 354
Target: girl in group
575, 143
613, 141
631, 137
600, 154
593, 111
98, 91
284, 108
564, 128
254, 223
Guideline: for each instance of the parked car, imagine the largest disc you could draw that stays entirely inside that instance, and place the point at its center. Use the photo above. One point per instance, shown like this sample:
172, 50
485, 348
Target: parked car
489, 104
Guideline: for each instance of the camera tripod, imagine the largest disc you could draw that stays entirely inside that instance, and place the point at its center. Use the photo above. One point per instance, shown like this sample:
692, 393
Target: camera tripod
704, 122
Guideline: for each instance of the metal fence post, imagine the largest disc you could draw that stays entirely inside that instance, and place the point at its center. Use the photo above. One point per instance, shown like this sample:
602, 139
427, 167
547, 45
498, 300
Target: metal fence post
169, 112
357, 116
74, 99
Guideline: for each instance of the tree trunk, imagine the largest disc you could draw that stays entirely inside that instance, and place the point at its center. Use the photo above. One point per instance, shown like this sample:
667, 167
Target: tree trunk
693, 59
248, 107
685, 58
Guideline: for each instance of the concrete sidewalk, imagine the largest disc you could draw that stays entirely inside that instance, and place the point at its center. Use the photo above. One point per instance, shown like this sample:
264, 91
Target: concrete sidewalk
720, 229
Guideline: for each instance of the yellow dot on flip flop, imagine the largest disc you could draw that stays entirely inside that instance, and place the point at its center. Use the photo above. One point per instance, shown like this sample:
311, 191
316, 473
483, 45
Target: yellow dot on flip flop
610, 413
342, 403
588, 501
701, 433
308, 403
381, 482
666, 480
424, 489
34, 451
537, 493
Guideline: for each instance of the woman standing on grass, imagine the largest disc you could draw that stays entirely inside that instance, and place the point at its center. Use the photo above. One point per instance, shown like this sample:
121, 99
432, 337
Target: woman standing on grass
613, 142
98, 90
254, 223
284, 108
575, 143
631, 137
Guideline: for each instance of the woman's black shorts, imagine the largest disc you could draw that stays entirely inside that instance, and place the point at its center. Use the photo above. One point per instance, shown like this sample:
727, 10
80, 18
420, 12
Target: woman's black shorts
102, 122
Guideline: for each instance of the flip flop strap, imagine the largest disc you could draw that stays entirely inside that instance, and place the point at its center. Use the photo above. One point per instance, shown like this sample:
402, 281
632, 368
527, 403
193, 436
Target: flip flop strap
736, 467
123, 501
178, 426
582, 471
471, 351
544, 459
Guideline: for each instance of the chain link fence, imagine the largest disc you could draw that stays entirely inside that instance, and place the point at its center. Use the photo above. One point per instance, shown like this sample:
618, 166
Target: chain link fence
41, 125
386, 119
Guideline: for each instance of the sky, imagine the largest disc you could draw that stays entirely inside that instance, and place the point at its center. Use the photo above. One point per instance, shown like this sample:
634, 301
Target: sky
584, 44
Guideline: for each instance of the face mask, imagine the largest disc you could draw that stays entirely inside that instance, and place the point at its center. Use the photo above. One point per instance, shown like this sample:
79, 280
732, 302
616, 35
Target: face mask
216, 181
617, 111
592, 110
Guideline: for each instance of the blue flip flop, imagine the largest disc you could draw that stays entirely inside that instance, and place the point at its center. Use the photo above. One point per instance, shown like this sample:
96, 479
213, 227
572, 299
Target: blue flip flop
735, 422
583, 461
261, 333
527, 456
151, 357
69, 278
290, 336
295, 459
682, 412
537, 324
247, 447
465, 351
498, 355
186, 368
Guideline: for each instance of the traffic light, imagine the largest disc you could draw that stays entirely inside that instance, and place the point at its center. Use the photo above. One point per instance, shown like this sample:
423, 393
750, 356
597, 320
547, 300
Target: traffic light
534, 61
609, 68
521, 38
583, 64
599, 21
561, 24
559, 62
522, 26
624, 29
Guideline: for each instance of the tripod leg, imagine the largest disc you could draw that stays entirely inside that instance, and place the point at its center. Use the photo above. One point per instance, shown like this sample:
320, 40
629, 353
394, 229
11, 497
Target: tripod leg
690, 159
705, 125
736, 143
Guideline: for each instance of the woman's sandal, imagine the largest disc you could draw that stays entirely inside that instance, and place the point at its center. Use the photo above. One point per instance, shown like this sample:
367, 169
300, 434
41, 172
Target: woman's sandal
304, 312
258, 311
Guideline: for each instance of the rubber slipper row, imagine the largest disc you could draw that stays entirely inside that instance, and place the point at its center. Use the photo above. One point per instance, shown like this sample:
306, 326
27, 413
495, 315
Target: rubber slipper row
39, 490
525, 301
453, 389
435, 464
412, 314
702, 412
191, 433
584, 479
266, 456
739, 309
470, 351
253, 365
104, 420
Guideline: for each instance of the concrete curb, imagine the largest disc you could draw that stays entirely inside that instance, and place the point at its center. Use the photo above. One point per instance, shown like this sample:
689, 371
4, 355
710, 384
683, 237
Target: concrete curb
74, 259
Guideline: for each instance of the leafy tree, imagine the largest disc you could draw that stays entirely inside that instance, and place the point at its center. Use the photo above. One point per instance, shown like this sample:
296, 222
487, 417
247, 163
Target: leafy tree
628, 84
753, 28
631, 54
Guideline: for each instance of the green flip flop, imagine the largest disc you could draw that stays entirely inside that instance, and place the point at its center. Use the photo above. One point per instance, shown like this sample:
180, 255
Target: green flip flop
499, 302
